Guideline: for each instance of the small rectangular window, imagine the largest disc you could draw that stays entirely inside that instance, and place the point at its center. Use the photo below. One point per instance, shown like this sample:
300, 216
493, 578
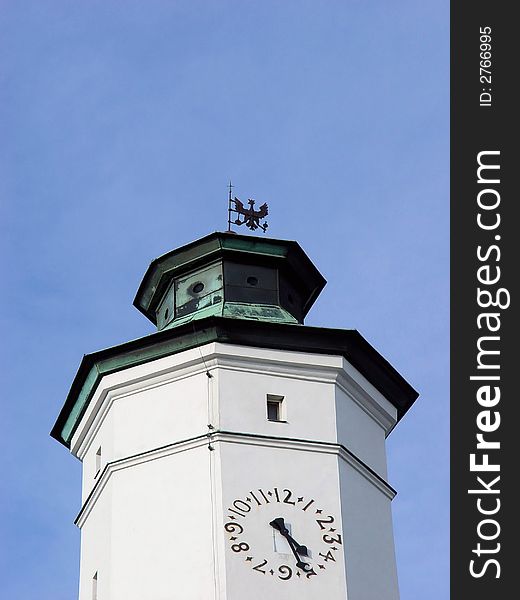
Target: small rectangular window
98, 462
94, 587
275, 408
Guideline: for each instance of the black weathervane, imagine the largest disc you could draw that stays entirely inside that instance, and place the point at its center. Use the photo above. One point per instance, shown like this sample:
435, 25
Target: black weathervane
250, 217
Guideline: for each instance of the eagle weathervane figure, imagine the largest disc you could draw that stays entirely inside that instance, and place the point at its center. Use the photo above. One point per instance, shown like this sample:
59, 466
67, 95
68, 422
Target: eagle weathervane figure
250, 217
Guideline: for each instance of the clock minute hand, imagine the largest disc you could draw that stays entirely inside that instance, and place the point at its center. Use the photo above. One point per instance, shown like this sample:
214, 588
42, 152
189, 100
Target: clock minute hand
296, 548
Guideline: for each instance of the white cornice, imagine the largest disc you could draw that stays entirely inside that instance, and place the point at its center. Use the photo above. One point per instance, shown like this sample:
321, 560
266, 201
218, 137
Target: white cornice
297, 365
112, 389
228, 437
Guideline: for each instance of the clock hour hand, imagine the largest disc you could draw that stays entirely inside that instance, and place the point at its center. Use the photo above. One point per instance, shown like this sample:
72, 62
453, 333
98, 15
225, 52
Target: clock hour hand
279, 525
297, 549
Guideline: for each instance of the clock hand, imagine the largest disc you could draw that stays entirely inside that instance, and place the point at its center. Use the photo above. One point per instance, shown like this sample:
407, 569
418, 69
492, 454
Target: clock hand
279, 525
297, 549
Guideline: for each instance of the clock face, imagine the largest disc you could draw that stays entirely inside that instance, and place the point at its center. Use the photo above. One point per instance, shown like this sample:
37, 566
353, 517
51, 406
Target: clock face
283, 534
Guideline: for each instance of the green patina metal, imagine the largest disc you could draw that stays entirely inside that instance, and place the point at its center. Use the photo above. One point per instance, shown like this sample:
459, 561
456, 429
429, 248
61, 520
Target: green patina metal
130, 359
119, 361
238, 310
284, 276
258, 245
258, 312
90, 384
205, 251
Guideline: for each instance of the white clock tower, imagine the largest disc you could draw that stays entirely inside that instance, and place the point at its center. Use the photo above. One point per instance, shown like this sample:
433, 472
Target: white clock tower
235, 453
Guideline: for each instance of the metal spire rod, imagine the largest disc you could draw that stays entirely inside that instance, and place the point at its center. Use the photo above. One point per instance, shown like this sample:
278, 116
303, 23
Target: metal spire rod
230, 199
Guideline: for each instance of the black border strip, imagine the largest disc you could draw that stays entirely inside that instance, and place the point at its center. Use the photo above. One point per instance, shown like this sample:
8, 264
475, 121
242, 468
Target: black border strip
484, 131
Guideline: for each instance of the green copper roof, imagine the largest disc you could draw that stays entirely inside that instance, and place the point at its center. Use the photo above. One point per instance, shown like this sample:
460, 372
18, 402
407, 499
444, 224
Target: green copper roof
226, 274
238, 310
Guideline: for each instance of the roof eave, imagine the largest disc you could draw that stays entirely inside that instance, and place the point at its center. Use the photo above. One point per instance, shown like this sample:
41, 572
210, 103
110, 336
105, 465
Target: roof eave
346, 342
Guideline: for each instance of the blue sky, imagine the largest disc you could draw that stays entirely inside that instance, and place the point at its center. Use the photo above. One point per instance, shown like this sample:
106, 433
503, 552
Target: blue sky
121, 123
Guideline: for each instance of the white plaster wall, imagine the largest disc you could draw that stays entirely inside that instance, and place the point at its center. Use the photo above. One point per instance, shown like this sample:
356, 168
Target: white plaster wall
125, 383
360, 433
158, 542
103, 438
157, 412
153, 526
309, 405
96, 549
369, 541
308, 474
160, 415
